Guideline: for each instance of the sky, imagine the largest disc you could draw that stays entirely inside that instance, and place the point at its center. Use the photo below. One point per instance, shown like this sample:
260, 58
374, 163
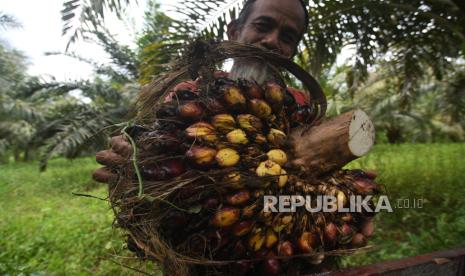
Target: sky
41, 32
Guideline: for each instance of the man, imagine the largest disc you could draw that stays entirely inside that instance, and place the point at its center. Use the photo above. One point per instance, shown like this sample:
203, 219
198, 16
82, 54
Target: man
273, 24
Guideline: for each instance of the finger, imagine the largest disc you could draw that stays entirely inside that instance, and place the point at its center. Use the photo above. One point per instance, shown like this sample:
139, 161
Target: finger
104, 175
109, 158
120, 145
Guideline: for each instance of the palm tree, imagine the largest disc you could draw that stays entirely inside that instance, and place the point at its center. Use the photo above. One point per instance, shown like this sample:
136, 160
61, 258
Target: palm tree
8, 21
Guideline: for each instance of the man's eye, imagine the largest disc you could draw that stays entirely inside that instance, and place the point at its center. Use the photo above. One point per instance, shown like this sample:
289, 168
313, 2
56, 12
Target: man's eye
286, 38
261, 27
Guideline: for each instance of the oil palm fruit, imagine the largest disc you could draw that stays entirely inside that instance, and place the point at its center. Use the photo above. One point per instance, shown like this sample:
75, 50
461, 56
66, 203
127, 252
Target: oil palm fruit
346, 234
285, 249
238, 198
254, 91
238, 140
242, 228
227, 157
268, 168
191, 111
201, 155
341, 198
202, 131
274, 94
237, 136
358, 240
276, 137
233, 180
281, 222
250, 123
225, 217
260, 139
307, 242
278, 156
260, 108
271, 238
283, 177
257, 239
223, 122
234, 98
330, 233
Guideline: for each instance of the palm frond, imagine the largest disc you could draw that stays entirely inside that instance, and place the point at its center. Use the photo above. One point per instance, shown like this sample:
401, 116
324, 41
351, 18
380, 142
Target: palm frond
72, 134
78, 14
8, 21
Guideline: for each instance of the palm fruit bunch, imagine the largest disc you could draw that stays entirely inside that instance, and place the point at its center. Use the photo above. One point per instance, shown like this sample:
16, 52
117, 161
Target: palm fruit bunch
207, 157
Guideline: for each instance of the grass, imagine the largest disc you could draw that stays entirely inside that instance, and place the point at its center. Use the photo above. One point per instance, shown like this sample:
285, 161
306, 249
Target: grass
431, 173
47, 230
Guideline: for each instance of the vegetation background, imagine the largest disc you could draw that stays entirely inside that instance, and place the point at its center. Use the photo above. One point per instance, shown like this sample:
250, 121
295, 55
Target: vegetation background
405, 68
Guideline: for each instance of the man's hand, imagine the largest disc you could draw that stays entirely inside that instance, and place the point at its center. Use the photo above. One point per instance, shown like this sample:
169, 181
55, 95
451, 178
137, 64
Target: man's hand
112, 159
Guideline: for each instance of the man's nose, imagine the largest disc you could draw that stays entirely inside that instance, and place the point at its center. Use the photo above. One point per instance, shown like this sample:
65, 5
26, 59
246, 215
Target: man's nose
271, 42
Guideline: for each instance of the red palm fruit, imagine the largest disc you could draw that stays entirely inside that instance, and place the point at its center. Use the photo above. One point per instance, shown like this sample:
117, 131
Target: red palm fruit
285, 249
190, 111
254, 91
271, 266
153, 172
243, 228
358, 240
364, 186
346, 234
363, 174
214, 106
274, 94
174, 167
225, 217
249, 211
170, 168
346, 229
239, 198
211, 203
371, 174
307, 242
368, 227
330, 232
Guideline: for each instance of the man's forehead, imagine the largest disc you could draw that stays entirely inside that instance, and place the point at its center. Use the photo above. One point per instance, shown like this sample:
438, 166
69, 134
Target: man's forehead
291, 10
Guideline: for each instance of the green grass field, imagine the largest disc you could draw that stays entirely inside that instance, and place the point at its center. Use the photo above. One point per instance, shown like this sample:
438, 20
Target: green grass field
45, 229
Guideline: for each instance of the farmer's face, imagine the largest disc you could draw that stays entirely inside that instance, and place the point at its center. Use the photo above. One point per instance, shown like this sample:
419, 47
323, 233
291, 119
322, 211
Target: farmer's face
274, 24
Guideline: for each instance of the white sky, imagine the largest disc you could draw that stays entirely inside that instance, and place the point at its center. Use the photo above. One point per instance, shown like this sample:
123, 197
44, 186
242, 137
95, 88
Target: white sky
42, 32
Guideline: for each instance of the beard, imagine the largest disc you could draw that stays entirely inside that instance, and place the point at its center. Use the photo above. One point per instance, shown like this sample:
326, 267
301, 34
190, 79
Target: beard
251, 69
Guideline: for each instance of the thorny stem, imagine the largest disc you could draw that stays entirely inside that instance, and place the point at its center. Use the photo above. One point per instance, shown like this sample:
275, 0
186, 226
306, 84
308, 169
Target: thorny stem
134, 160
